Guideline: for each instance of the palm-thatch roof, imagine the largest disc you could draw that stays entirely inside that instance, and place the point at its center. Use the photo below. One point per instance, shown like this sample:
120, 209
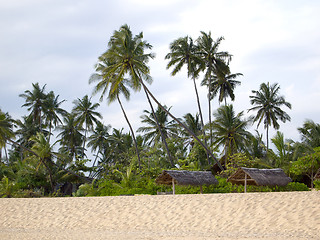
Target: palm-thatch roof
260, 177
195, 178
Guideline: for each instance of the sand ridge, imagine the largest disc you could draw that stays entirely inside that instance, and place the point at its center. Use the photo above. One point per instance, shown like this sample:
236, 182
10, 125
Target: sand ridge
280, 215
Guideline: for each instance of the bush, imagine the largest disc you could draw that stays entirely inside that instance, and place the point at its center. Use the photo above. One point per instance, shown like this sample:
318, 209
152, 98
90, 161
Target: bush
317, 184
294, 186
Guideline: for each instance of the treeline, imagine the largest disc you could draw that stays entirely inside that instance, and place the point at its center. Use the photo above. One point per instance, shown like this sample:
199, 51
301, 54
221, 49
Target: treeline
51, 150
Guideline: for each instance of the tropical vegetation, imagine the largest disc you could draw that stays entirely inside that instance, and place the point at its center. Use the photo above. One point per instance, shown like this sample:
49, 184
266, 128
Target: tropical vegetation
54, 151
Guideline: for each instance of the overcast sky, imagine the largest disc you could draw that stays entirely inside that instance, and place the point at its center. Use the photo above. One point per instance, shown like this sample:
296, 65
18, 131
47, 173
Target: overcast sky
57, 42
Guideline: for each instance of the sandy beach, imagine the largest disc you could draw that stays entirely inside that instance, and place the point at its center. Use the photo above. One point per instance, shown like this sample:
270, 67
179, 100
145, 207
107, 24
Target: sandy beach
282, 215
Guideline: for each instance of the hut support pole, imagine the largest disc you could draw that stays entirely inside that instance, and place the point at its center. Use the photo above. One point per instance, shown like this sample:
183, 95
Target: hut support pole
245, 182
173, 187
201, 189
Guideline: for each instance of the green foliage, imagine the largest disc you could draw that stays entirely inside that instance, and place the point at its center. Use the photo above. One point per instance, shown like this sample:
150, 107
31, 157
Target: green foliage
317, 184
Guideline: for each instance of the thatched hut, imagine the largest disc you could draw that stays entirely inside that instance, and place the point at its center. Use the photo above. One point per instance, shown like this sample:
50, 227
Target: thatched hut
181, 177
259, 177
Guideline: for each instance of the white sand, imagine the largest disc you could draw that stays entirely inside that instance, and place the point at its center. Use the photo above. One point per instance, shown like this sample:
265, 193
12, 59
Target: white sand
293, 215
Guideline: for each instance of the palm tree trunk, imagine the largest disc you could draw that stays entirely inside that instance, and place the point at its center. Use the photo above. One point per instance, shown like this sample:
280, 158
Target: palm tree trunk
181, 124
267, 138
158, 125
132, 132
210, 120
94, 163
84, 140
201, 117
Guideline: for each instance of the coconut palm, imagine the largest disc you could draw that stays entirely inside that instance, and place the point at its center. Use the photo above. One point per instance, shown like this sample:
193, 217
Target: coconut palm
108, 84
152, 133
70, 136
6, 130
230, 130
183, 51
267, 102
84, 112
193, 123
52, 110
35, 102
223, 85
97, 140
310, 133
214, 62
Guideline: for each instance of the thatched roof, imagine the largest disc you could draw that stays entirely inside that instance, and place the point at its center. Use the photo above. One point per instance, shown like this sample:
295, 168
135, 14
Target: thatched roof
195, 178
260, 177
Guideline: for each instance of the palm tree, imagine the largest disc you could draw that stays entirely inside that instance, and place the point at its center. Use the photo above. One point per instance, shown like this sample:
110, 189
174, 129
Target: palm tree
70, 136
213, 63
84, 112
35, 102
223, 85
52, 111
268, 103
97, 141
193, 123
184, 52
159, 128
6, 130
310, 132
109, 84
230, 130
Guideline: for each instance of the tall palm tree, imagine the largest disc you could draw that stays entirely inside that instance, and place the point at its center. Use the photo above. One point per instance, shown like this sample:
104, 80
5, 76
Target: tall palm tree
84, 112
126, 55
108, 84
35, 102
230, 130
52, 111
214, 63
267, 102
183, 51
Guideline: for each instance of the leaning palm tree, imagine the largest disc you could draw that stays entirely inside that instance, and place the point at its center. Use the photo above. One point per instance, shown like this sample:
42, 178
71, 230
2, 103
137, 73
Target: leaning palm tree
193, 123
84, 112
230, 130
108, 84
268, 103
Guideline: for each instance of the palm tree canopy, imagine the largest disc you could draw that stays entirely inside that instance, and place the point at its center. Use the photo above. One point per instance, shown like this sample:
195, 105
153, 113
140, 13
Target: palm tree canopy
267, 103
126, 56
183, 51
84, 111
6, 128
230, 129
310, 133
152, 133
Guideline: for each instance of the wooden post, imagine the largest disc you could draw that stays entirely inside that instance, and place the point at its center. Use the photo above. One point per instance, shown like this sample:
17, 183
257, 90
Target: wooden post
201, 189
173, 187
245, 182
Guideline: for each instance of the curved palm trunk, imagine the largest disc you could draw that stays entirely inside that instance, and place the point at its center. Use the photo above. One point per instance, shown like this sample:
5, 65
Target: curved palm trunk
209, 106
158, 125
201, 117
132, 132
94, 163
181, 124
